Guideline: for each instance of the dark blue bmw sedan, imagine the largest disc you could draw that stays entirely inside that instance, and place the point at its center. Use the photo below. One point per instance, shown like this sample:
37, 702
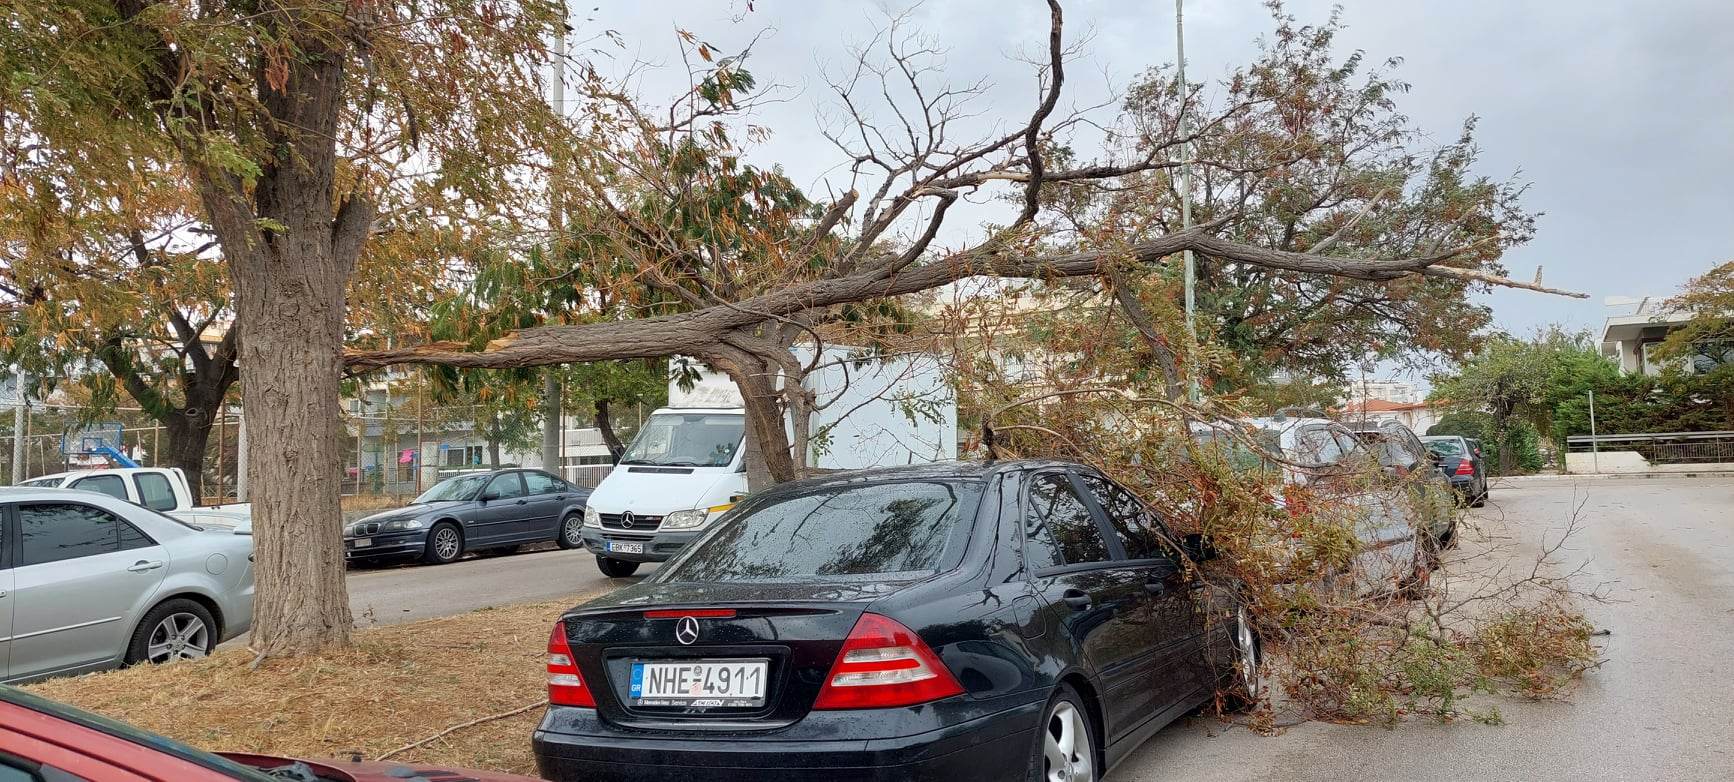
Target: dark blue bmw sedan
480, 511
997, 621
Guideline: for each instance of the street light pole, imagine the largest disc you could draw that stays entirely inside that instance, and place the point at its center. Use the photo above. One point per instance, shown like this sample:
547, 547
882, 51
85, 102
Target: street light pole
1186, 196
1595, 446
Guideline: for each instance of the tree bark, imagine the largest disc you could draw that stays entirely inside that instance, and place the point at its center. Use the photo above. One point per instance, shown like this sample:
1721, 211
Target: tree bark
290, 259
605, 425
188, 438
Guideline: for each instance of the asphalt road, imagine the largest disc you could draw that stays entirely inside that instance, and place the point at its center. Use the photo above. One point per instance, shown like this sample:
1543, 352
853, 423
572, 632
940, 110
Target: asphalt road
1661, 708
405, 593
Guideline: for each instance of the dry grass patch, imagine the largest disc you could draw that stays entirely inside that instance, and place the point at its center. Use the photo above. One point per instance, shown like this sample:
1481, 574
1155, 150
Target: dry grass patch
399, 684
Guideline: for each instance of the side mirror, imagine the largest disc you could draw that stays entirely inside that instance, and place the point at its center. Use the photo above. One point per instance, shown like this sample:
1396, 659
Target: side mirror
1196, 548
490, 495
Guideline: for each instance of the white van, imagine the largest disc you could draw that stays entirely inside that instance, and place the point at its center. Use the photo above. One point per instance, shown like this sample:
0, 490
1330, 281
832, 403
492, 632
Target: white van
687, 465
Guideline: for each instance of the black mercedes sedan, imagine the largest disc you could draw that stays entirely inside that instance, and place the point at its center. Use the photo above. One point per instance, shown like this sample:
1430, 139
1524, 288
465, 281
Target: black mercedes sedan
494, 510
961, 621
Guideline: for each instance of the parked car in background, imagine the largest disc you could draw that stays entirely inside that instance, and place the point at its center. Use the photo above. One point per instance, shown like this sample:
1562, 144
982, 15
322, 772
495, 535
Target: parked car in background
951, 621
1399, 537
89, 582
1461, 463
162, 489
497, 509
1407, 460
45, 741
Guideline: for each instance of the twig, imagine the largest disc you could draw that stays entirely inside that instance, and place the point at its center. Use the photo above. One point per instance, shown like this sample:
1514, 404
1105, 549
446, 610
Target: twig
455, 728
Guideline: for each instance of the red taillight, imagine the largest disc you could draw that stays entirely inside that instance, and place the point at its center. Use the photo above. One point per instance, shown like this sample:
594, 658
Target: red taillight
700, 613
565, 686
1466, 467
881, 665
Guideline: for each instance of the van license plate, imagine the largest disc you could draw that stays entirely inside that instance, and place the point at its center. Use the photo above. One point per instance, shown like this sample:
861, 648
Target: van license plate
700, 683
625, 548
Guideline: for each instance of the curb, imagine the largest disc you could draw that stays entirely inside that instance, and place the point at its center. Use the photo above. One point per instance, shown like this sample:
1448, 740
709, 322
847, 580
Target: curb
1607, 476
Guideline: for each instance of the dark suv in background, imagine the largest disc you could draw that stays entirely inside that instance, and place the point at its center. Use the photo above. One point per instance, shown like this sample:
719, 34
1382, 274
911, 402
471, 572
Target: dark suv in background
1460, 461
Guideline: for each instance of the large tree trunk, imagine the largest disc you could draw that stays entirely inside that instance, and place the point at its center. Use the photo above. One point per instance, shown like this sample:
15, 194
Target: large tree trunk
605, 425
290, 260
188, 437
291, 306
768, 460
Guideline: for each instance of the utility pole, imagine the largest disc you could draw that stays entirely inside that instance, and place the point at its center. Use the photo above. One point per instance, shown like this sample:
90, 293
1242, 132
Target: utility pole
1595, 446
19, 421
552, 404
1186, 196
241, 455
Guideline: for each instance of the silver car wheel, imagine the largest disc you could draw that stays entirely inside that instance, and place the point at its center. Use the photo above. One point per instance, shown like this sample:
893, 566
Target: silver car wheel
446, 543
1246, 645
179, 636
574, 531
1067, 755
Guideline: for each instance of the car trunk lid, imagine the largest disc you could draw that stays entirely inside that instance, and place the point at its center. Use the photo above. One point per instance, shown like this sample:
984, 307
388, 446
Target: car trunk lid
789, 636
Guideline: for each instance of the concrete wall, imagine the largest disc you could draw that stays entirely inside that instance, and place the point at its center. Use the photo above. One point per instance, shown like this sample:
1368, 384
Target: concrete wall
1632, 462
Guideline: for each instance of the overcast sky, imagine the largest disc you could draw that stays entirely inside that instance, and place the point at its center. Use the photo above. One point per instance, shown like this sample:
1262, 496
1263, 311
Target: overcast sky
1621, 114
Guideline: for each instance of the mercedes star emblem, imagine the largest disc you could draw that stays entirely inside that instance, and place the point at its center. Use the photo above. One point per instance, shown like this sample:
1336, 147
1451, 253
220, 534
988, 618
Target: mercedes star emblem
686, 630
626, 519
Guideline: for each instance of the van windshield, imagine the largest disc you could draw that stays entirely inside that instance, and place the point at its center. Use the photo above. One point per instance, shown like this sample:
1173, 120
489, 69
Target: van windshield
877, 531
687, 440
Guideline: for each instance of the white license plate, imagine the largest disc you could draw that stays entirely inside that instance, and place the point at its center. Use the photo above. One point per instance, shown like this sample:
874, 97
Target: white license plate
625, 548
700, 683
363, 542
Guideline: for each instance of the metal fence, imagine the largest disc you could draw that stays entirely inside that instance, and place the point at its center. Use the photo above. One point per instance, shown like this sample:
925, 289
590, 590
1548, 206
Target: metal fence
1663, 447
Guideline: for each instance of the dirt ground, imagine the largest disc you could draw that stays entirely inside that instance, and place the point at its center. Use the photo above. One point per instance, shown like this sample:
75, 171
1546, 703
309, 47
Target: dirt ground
400, 684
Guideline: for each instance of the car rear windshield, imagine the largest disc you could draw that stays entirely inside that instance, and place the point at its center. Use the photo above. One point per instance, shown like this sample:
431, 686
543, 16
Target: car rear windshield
877, 531
1452, 447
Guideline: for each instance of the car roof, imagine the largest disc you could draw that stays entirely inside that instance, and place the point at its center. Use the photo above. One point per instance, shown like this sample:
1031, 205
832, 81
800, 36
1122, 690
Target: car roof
970, 469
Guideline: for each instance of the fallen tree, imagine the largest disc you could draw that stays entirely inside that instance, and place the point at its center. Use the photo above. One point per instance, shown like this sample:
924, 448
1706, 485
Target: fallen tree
672, 206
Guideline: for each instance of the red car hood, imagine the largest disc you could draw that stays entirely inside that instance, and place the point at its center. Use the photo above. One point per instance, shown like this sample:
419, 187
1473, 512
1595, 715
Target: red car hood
362, 771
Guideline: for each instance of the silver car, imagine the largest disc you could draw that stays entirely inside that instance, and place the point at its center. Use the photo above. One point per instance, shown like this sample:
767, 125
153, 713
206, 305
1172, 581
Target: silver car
89, 582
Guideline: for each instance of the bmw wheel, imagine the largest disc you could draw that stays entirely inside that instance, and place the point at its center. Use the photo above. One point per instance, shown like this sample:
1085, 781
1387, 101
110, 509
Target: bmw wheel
444, 544
571, 531
1064, 750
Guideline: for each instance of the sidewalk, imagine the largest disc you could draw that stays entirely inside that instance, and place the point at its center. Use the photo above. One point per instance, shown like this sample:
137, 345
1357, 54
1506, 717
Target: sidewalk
1716, 471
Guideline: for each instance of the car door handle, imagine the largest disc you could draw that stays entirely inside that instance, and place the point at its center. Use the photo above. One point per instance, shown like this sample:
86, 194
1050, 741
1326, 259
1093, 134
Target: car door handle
521, 502
1078, 599
1156, 587
143, 565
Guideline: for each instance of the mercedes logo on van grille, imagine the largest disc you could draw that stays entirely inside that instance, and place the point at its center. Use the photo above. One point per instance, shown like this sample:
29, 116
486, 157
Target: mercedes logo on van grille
686, 630
627, 520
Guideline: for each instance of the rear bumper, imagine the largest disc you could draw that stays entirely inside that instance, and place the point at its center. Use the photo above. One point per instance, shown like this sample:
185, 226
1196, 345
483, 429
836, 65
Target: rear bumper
990, 749
1463, 483
658, 546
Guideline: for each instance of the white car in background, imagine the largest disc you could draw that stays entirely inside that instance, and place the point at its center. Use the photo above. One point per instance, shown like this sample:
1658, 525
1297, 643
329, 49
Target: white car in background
89, 582
162, 489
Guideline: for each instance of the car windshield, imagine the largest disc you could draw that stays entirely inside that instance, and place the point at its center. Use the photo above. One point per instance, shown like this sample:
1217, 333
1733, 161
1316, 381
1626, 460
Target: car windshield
1449, 447
1235, 449
687, 440
463, 487
877, 532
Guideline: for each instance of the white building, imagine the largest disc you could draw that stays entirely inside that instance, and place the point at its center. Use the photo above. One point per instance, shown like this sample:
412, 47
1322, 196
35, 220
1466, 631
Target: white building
1630, 338
1400, 392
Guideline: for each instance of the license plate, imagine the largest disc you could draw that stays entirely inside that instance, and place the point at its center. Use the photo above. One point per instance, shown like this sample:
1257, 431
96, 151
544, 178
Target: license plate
700, 683
363, 542
625, 548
